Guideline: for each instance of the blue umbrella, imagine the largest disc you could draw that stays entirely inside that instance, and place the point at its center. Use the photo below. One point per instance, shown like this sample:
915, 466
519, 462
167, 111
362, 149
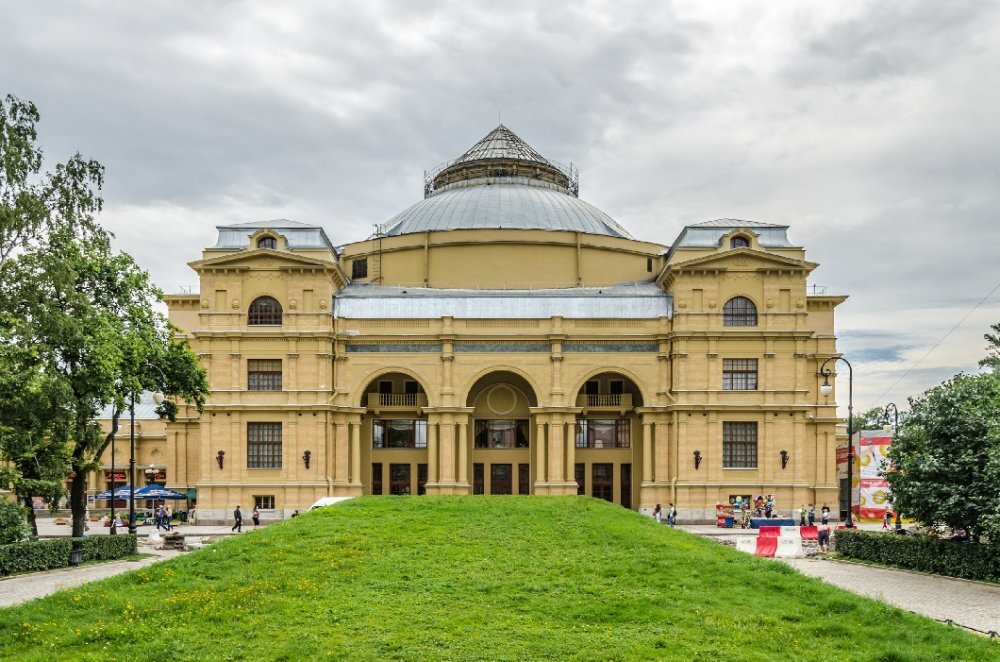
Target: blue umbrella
158, 492
122, 492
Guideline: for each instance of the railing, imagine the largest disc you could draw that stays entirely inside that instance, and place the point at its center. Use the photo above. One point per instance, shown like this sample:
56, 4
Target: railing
400, 400
611, 401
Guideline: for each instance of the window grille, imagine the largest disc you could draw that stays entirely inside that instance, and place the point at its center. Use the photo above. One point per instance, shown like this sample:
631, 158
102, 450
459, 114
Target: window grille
739, 374
264, 374
739, 311
264, 445
264, 311
739, 445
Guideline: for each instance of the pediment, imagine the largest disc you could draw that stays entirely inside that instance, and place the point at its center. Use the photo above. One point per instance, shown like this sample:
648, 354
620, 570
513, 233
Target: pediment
262, 258
743, 259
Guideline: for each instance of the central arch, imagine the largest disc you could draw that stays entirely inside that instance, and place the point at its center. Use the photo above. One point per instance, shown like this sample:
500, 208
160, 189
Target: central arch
394, 433
499, 438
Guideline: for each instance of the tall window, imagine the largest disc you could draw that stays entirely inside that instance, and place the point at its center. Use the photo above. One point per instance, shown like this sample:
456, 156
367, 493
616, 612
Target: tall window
739, 374
739, 445
739, 242
603, 433
359, 268
267, 242
264, 445
264, 374
399, 433
739, 311
264, 311
501, 434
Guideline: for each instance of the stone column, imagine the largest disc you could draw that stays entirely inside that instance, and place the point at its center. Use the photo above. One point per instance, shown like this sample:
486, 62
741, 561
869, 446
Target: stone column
647, 451
432, 453
556, 458
463, 454
356, 454
569, 431
447, 441
340, 460
541, 474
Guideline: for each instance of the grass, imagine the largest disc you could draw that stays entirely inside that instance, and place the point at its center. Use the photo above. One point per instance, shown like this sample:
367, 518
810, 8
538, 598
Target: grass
471, 578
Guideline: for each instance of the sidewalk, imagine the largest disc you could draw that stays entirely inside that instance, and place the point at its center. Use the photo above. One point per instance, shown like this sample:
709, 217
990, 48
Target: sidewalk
48, 529
974, 605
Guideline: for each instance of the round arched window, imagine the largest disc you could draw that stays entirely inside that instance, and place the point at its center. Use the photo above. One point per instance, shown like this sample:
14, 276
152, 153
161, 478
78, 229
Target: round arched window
739, 241
267, 242
264, 311
739, 311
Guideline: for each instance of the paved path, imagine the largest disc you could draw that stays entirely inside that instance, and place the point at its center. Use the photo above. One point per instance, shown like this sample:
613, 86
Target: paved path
21, 588
971, 604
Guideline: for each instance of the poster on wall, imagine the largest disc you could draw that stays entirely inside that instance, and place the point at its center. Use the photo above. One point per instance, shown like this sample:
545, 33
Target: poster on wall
871, 490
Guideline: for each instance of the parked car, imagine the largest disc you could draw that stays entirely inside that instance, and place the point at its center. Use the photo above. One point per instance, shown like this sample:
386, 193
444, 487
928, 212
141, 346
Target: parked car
327, 501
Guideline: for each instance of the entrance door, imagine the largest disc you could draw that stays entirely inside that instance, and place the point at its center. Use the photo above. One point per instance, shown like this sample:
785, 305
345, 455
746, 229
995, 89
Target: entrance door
477, 478
421, 479
603, 482
500, 479
523, 479
581, 472
376, 478
399, 479
626, 496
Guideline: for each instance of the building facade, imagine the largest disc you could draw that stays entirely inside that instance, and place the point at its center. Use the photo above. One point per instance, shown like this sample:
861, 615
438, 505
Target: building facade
502, 336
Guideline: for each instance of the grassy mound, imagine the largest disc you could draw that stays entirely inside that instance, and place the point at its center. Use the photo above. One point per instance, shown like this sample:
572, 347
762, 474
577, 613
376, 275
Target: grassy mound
471, 577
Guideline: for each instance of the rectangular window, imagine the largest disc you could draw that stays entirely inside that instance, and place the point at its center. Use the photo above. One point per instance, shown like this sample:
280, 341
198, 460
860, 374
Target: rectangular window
492, 433
264, 374
359, 268
264, 445
399, 479
399, 433
500, 479
739, 445
602, 481
603, 433
376, 478
739, 374
263, 502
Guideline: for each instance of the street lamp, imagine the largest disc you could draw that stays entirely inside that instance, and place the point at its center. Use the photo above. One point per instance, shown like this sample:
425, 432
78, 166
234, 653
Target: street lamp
826, 389
158, 399
894, 429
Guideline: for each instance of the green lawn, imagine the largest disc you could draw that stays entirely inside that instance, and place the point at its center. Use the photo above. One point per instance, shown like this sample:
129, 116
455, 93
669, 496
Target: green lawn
471, 578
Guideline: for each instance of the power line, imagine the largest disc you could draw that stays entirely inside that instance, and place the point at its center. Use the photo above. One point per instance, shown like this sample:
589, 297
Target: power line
935, 345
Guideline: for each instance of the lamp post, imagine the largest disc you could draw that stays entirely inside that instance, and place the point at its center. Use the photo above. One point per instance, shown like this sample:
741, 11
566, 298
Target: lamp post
895, 429
826, 389
114, 529
157, 398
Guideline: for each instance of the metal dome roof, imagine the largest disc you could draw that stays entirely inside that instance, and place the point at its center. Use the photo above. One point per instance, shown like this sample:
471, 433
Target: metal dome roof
504, 202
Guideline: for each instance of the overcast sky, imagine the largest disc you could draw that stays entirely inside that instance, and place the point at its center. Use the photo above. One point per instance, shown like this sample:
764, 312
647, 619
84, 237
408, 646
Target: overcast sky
871, 128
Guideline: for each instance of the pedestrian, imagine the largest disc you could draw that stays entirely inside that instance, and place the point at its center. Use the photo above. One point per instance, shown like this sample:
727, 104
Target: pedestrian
160, 518
823, 537
886, 518
255, 516
802, 514
168, 518
658, 514
671, 514
769, 506
238, 516
824, 515
812, 515
296, 513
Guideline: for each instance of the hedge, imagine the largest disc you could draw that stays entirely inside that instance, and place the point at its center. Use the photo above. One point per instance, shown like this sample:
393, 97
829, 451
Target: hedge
50, 553
921, 552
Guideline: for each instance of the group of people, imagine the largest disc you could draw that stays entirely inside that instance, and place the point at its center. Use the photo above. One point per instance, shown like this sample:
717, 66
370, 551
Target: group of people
163, 517
671, 514
238, 517
807, 516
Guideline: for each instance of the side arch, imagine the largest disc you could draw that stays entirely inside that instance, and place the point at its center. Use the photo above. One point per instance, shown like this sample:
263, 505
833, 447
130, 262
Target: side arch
360, 387
613, 370
475, 379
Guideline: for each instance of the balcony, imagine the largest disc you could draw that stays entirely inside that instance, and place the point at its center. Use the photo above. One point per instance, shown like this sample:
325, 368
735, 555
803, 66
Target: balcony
620, 402
378, 402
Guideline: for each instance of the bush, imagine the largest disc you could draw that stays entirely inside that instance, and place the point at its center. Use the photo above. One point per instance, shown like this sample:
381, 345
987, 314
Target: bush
14, 525
922, 552
47, 554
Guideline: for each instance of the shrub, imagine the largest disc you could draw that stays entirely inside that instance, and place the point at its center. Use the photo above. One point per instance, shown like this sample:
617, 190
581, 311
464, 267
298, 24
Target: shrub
14, 525
47, 554
921, 552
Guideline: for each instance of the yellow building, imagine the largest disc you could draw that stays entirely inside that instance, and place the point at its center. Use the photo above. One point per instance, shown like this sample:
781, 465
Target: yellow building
502, 336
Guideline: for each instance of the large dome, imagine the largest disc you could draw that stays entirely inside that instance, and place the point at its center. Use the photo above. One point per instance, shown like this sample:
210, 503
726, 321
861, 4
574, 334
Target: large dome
502, 183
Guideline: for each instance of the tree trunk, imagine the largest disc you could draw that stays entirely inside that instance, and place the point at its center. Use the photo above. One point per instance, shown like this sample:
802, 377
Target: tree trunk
78, 497
29, 504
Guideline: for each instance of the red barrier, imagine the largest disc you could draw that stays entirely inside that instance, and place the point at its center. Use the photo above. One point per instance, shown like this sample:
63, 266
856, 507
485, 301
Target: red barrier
770, 532
809, 532
766, 546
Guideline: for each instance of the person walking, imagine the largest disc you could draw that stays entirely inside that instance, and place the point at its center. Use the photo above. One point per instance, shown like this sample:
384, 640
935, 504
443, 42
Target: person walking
886, 518
824, 515
812, 515
168, 517
658, 514
158, 517
238, 516
671, 514
255, 516
802, 514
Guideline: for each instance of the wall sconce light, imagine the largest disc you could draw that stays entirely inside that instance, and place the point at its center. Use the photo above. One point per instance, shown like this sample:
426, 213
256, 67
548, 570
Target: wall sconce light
697, 460
784, 459
220, 458
306, 456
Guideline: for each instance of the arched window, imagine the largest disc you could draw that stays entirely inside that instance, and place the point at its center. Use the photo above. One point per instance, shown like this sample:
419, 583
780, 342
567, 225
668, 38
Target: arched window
267, 242
264, 311
739, 311
739, 242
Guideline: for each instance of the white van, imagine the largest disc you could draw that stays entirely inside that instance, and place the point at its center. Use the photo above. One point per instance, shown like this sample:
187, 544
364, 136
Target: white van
328, 501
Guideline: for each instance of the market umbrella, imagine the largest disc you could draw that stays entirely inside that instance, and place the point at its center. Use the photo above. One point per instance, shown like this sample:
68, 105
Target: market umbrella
158, 492
122, 492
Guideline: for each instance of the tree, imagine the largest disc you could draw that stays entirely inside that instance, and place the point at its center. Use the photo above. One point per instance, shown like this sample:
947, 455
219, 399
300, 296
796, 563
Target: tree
992, 358
870, 419
78, 324
947, 457
13, 526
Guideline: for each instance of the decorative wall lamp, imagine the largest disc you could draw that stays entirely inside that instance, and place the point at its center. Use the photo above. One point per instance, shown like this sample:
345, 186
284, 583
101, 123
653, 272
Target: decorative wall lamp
220, 458
784, 459
306, 456
697, 459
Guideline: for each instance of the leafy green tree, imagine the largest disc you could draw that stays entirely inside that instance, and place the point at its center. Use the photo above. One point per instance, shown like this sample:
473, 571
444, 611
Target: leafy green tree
870, 419
13, 524
992, 359
79, 329
947, 457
